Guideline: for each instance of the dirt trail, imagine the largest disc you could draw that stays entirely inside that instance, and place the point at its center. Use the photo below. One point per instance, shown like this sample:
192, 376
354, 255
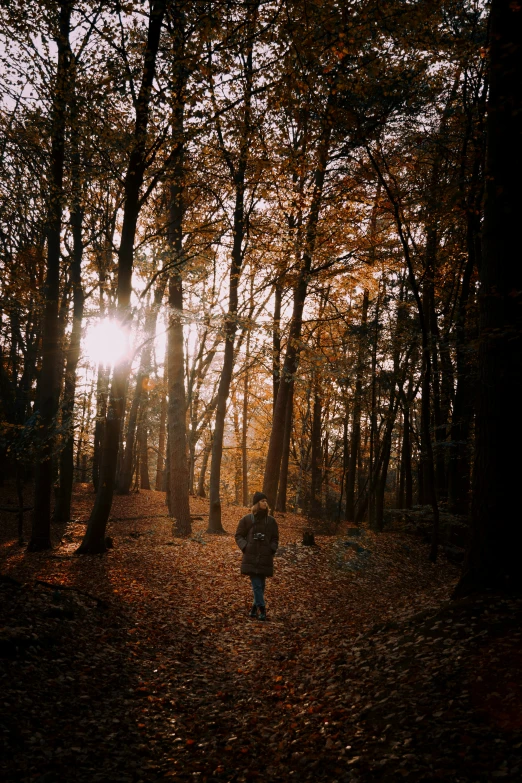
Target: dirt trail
173, 680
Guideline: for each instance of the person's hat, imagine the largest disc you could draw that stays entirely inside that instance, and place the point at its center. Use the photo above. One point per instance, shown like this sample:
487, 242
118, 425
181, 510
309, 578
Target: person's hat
257, 497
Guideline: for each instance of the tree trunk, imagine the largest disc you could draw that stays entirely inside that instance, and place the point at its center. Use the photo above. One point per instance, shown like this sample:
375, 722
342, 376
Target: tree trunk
48, 380
161, 442
94, 539
283, 481
380, 488
102, 396
62, 511
179, 507
406, 474
203, 470
459, 473
316, 477
275, 448
237, 172
493, 556
140, 397
276, 342
238, 461
373, 408
429, 472
355, 436
144, 452
345, 462
244, 426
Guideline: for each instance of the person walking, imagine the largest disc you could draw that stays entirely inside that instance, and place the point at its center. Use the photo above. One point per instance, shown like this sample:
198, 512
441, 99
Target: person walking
257, 536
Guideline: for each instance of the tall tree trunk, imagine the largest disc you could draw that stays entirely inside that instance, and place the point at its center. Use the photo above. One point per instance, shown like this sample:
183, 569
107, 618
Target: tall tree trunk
49, 381
238, 481
84, 426
345, 461
214, 524
283, 481
237, 173
161, 440
203, 470
316, 477
178, 478
355, 435
380, 488
244, 423
493, 557
406, 474
429, 473
140, 397
94, 539
291, 362
459, 478
144, 450
102, 396
62, 511
276, 342
373, 408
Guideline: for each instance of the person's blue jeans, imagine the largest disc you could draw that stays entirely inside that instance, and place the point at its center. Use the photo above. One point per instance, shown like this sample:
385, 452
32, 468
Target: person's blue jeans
258, 586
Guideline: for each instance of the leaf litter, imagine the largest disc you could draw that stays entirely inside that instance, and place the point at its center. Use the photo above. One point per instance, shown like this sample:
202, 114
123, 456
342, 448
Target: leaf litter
143, 665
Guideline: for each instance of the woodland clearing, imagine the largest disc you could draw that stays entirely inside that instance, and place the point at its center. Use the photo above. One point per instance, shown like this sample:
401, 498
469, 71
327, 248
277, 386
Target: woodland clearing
142, 664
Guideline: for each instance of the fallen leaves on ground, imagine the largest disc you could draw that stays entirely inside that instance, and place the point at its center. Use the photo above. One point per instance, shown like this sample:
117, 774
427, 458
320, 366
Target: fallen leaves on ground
143, 665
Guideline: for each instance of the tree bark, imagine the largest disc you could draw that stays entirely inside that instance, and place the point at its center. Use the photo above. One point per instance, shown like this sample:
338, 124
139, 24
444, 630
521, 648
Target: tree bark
244, 424
94, 539
140, 397
238, 173
62, 511
355, 435
48, 380
316, 477
276, 342
144, 450
427, 456
406, 474
493, 556
203, 470
285, 459
161, 441
291, 362
178, 478
373, 407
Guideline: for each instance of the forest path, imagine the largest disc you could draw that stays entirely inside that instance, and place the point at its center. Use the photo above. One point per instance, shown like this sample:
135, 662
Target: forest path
173, 680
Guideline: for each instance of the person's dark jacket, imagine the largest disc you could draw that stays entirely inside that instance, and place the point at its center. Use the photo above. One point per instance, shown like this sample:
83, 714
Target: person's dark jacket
258, 553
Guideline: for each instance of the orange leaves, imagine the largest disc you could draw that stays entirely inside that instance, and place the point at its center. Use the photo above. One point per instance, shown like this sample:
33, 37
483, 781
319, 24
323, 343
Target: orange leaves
206, 688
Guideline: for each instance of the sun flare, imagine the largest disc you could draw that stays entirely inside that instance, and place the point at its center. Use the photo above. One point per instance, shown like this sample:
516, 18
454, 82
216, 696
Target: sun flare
105, 342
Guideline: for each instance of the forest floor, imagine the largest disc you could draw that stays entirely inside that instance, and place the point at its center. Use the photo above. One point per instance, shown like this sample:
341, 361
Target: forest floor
143, 665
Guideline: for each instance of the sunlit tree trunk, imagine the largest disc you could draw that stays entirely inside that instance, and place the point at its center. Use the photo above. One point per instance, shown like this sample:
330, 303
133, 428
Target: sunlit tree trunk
139, 399
94, 539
